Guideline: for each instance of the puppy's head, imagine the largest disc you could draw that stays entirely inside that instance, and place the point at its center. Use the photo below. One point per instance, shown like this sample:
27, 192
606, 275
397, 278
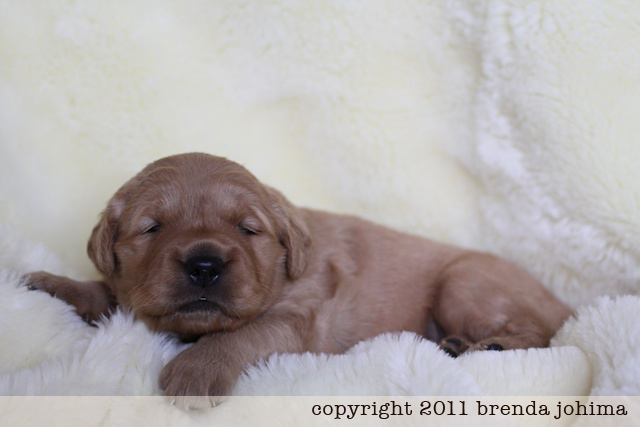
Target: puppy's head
195, 244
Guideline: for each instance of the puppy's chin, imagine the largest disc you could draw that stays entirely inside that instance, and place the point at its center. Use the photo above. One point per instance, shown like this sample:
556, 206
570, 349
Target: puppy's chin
192, 319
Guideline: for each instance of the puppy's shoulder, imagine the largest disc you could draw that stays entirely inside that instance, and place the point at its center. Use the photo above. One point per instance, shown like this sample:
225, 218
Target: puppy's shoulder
329, 225
355, 236
332, 225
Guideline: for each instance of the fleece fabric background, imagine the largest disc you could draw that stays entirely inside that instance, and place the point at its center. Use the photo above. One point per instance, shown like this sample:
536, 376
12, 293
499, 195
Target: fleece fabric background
494, 124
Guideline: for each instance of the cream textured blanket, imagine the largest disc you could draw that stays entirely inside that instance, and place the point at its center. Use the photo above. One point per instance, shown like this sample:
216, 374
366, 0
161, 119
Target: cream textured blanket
500, 125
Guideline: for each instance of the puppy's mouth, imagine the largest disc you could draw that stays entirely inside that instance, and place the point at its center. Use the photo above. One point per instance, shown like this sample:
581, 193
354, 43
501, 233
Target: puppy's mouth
201, 305
193, 315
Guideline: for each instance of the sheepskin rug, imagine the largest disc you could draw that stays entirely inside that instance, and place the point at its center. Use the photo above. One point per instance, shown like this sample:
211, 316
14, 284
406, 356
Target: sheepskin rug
498, 125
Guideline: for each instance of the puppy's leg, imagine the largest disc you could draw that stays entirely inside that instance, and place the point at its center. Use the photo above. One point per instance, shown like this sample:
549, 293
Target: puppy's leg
90, 299
518, 333
487, 303
202, 375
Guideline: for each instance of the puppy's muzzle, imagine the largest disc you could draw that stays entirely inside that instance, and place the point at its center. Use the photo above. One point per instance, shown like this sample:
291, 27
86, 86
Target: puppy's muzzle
204, 271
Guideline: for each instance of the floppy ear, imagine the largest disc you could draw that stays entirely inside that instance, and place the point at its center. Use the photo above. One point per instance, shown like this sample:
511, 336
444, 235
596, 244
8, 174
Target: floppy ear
293, 234
103, 237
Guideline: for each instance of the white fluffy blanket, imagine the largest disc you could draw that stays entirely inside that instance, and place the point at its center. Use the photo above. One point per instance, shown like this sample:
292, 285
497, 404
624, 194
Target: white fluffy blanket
492, 124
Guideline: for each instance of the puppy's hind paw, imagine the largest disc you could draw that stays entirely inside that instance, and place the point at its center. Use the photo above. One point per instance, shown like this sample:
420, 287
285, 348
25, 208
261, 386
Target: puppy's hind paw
493, 347
453, 345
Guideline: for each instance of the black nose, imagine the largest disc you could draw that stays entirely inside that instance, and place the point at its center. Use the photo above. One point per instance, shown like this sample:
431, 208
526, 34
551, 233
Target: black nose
203, 270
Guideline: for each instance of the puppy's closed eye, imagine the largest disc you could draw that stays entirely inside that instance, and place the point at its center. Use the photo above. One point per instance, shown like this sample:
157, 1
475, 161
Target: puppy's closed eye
248, 230
153, 229
148, 225
250, 226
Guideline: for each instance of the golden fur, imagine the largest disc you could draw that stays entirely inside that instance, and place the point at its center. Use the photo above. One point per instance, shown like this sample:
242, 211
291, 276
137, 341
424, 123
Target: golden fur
196, 245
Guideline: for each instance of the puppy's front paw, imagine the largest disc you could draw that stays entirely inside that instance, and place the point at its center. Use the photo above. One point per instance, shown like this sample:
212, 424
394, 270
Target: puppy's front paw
193, 383
90, 299
43, 281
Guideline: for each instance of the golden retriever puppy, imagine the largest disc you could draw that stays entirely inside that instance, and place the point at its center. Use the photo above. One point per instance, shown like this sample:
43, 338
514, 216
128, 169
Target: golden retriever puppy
196, 245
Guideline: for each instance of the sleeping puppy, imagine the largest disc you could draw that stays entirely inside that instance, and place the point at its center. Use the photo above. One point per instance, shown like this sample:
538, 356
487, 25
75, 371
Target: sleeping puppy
196, 245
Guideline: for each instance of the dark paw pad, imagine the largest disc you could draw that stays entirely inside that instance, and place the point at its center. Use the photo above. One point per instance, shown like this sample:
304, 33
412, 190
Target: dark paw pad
494, 347
450, 352
453, 346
